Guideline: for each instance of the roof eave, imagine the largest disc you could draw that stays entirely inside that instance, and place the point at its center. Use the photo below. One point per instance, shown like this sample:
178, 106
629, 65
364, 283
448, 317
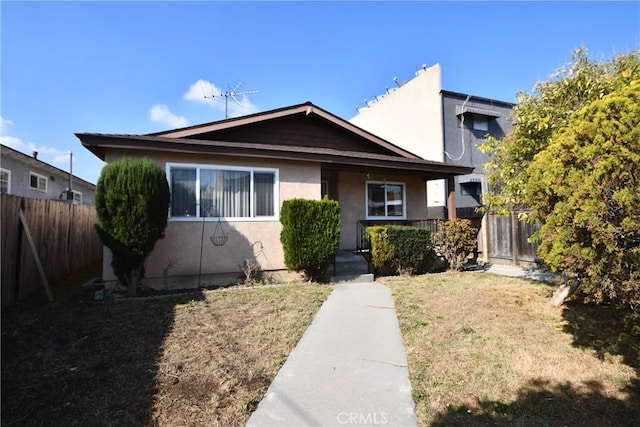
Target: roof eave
98, 144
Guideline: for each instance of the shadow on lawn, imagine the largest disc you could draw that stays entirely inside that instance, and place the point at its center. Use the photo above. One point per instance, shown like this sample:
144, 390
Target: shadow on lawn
543, 403
79, 362
599, 328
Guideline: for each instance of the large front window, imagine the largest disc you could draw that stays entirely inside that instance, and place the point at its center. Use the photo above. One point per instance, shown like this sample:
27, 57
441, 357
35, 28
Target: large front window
385, 200
222, 191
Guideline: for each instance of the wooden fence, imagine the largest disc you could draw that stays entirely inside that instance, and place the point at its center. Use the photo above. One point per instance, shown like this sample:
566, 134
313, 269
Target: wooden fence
508, 239
63, 235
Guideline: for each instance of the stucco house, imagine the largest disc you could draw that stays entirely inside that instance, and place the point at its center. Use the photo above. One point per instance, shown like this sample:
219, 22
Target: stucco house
27, 176
230, 177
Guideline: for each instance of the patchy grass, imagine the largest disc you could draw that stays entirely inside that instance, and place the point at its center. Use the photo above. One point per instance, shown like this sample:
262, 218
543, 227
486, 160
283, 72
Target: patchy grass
199, 359
490, 350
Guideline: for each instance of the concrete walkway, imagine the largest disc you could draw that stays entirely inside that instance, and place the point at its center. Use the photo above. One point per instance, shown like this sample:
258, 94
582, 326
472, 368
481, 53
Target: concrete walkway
349, 368
525, 273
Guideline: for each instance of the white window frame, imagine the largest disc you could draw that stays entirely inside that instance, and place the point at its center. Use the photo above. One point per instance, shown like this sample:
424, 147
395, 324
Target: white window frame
8, 172
386, 217
251, 169
37, 188
77, 196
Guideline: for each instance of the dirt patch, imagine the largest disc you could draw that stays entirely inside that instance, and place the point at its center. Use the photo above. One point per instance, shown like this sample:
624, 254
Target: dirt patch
490, 350
196, 359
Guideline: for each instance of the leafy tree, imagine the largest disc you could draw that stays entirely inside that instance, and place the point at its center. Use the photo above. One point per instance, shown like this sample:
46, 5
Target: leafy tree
543, 113
132, 201
584, 188
310, 235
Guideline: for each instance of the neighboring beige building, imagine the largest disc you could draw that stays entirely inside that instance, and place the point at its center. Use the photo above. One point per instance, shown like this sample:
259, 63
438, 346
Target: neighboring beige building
419, 116
436, 124
411, 115
230, 177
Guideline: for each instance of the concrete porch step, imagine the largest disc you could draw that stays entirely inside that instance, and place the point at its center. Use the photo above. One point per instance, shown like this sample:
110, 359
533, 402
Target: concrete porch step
352, 278
350, 267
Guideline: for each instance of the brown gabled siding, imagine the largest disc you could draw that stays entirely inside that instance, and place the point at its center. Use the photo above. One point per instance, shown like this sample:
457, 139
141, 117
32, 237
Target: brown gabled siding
300, 131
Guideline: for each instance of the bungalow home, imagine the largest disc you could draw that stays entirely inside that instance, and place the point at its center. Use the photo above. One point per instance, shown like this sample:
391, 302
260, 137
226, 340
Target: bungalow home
229, 178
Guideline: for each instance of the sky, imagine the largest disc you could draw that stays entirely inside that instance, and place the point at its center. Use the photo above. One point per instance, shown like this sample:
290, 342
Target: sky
142, 67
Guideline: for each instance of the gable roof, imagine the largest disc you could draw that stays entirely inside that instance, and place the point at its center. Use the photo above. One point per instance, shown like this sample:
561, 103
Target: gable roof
37, 163
284, 134
225, 128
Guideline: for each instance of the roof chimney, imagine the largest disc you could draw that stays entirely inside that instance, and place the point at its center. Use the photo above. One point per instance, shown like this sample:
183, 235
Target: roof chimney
35, 155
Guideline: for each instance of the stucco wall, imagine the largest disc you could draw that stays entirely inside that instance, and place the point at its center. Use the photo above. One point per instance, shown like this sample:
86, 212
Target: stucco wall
257, 240
352, 198
411, 117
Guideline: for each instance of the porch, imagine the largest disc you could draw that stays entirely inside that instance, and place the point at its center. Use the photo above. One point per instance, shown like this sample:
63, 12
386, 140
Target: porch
354, 265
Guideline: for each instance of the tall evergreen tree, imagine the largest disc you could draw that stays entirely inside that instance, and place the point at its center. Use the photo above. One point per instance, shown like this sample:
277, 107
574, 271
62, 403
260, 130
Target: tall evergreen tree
132, 202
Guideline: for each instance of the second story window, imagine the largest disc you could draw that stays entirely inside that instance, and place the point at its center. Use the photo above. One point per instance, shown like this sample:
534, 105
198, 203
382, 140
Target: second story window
480, 123
38, 182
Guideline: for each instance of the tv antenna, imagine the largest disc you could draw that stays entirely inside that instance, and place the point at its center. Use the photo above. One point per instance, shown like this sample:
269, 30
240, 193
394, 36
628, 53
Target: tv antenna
233, 93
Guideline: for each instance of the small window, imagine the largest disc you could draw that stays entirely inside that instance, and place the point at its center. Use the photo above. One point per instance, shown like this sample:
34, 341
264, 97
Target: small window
37, 182
5, 181
385, 200
77, 196
480, 123
471, 189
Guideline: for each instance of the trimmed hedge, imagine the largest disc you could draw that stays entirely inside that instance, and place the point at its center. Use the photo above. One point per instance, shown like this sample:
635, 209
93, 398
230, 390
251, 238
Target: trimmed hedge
400, 249
310, 235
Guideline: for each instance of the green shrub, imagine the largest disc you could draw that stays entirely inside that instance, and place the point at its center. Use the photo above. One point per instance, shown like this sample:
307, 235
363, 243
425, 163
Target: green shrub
400, 249
455, 240
132, 204
381, 249
310, 235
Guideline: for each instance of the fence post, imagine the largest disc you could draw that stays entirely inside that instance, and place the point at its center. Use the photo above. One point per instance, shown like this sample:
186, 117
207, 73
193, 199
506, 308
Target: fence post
18, 272
515, 254
484, 233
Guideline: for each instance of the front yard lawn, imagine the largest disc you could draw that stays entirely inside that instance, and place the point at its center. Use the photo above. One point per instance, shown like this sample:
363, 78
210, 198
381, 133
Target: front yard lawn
201, 359
490, 350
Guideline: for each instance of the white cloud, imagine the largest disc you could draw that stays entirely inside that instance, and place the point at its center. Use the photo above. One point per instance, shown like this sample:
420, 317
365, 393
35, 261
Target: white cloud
53, 155
4, 125
13, 142
161, 114
205, 92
